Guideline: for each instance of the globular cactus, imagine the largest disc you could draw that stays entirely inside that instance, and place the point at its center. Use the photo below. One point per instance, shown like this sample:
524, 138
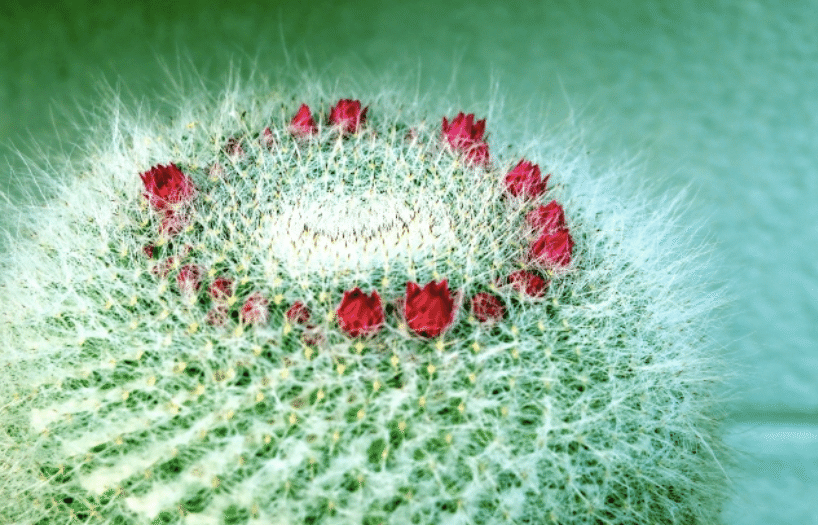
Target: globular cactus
290, 307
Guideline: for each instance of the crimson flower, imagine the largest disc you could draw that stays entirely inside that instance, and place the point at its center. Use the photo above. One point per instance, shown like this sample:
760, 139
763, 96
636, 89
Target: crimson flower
298, 313
348, 115
547, 219
189, 278
360, 314
220, 289
302, 124
488, 308
553, 250
528, 283
463, 130
166, 186
429, 311
524, 179
254, 310
466, 136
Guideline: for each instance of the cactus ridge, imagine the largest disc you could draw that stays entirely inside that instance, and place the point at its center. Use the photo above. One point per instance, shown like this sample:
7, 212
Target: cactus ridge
141, 390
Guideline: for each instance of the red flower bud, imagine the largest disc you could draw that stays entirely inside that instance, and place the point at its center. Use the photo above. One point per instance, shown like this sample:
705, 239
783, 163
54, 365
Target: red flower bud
189, 278
466, 137
524, 179
298, 313
528, 283
553, 250
487, 307
220, 289
148, 250
348, 115
546, 219
359, 314
430, 311
166, 186
254, 310
302, 124
463, 130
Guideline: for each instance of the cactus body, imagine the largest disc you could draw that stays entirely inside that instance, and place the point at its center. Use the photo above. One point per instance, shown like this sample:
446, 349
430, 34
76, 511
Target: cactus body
284, 311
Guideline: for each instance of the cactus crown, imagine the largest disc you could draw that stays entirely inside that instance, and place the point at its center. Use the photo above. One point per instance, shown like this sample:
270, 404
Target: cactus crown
267, 313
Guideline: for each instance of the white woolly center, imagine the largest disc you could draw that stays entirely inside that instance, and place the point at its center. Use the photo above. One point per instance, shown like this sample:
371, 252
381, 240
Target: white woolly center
358, 232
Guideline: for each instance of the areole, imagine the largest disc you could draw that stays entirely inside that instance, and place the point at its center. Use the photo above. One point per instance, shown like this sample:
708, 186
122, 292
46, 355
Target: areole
358, 232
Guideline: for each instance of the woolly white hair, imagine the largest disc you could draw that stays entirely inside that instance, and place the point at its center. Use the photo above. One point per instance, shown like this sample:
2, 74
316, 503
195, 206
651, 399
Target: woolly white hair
596, 403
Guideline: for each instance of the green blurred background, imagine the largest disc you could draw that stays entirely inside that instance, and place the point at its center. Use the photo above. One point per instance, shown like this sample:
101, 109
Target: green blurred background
721, 96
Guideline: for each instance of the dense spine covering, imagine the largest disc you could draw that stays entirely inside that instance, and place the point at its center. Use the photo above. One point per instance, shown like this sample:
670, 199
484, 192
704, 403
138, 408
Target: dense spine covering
280, 310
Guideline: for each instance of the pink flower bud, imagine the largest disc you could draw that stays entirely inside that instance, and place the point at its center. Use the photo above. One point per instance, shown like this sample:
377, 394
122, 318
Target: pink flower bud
360, 314
528, 283
166, 186
546, 219
254, 310
221, 289
488, 308
524, 179
553, 250
302, 124
189, 278
463, 131
466, 137
298, 313
347, 114
429, 311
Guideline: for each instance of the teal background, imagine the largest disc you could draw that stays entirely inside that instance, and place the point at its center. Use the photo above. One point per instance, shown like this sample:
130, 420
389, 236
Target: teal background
721, 96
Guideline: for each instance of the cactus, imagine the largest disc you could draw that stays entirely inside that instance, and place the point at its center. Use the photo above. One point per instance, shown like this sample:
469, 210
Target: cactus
281, 306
